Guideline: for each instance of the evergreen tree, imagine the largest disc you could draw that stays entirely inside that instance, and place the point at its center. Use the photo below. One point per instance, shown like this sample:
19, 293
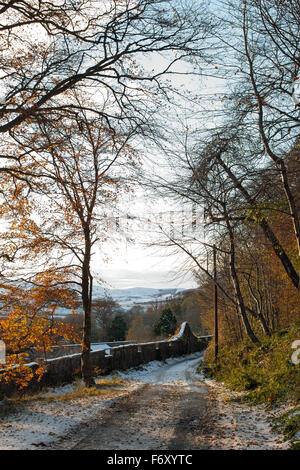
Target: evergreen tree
118, 329
166, 324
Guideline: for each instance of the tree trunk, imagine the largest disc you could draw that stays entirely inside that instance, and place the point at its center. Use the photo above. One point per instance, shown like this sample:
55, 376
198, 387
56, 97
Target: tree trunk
264, 324
241, 305
86, 368
235, 280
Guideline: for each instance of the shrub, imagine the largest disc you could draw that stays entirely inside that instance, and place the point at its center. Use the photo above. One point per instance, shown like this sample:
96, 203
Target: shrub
166, 323
265, 371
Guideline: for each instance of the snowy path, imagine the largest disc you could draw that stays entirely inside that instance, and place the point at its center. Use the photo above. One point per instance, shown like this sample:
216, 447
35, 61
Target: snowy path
183, 372
175, 408
166, 405
43, 422
174, 370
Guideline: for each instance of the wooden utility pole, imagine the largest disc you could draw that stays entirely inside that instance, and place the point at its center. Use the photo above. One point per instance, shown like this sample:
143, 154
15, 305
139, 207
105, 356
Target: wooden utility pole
216, 304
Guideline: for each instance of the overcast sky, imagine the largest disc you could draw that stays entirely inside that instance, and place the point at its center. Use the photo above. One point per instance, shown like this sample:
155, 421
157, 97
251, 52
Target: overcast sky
131, 264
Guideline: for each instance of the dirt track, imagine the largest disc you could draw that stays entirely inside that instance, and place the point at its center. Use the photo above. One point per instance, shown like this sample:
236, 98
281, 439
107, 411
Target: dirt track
177, 412
154, 417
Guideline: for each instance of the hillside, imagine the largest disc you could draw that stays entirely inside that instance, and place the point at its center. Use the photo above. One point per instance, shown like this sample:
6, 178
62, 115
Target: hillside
127, 298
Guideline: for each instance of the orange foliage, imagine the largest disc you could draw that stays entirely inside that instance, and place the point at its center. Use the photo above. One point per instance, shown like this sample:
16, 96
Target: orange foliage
29, 326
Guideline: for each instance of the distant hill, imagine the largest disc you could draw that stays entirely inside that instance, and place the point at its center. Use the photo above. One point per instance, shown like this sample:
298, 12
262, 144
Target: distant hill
127, 298
135, 295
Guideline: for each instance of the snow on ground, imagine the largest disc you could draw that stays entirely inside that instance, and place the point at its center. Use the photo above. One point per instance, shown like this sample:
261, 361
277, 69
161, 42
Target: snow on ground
237, 425
100, 347
42, 422
172, 370
242, 426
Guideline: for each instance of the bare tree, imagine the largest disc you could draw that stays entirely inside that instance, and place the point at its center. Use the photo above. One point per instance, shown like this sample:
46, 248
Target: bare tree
74, 185
49, 48
261, 63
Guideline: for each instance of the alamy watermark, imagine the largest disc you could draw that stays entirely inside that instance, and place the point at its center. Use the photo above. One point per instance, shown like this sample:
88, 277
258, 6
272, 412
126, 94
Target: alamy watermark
296, 354
295, 358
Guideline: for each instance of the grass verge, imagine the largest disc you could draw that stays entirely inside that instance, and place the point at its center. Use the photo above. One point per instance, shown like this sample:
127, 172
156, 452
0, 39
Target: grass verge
265, 373
288, 424
104, 388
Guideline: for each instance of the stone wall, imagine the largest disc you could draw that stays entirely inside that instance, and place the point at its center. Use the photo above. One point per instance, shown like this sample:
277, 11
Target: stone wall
68, 349
65, 369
